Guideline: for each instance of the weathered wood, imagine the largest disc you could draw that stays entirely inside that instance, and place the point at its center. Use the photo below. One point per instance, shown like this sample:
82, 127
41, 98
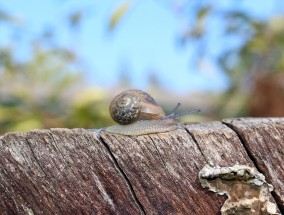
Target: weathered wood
163, 165
219, 144
162, 169
264, 141
62, 171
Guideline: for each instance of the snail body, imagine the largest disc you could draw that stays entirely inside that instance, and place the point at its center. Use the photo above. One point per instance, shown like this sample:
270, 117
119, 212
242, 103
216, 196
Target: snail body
138, 113
145, 127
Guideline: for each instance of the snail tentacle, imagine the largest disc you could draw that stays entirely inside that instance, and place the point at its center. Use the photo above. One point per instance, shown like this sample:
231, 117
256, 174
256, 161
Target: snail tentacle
179, 115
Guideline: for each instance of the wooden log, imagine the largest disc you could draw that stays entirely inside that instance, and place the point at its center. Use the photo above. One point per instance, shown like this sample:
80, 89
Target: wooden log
77, 171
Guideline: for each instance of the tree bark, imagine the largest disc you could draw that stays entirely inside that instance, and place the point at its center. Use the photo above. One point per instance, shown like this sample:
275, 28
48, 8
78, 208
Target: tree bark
78, 171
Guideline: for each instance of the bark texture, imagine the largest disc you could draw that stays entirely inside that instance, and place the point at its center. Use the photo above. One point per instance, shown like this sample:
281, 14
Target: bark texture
77, 171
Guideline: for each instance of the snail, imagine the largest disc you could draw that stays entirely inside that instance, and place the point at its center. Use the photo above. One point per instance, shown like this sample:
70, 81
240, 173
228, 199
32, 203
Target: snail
137, 113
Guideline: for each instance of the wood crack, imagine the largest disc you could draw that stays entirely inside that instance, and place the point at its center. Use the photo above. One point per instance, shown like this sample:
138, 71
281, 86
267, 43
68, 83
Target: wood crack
136, 200
35, 157
253, 159
199, 148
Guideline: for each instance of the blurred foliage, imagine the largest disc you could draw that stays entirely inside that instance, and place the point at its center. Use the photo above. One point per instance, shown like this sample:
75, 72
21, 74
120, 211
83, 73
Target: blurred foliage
48, 89
117, 14
255, 67
258, 59
6, 18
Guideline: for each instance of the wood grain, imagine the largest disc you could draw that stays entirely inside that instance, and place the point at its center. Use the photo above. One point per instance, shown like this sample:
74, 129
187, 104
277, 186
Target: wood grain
220, 145
75, 171
163, 170
264, 141
60, 171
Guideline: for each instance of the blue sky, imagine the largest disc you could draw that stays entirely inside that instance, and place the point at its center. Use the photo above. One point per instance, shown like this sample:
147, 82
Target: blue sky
144, 43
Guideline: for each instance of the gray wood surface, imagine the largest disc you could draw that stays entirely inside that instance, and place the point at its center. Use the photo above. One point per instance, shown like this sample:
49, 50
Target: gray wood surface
75, 171
60, 171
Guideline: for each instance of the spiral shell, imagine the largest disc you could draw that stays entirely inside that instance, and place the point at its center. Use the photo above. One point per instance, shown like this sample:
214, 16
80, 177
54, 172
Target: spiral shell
133, 105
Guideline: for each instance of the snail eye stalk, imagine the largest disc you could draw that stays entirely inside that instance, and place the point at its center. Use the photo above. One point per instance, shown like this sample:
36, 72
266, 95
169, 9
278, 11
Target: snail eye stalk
173, 114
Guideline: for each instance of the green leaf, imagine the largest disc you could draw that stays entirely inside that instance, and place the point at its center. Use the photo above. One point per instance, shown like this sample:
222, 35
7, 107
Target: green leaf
117, 15
203, 12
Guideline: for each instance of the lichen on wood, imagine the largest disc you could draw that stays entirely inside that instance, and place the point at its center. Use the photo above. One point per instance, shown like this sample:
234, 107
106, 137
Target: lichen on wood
246, 188
263, 139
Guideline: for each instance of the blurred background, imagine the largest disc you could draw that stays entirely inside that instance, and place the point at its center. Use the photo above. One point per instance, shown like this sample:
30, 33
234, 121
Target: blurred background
62, 61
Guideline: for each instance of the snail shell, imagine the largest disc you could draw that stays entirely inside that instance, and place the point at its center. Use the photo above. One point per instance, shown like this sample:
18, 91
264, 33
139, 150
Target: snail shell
137, 113
133, 105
